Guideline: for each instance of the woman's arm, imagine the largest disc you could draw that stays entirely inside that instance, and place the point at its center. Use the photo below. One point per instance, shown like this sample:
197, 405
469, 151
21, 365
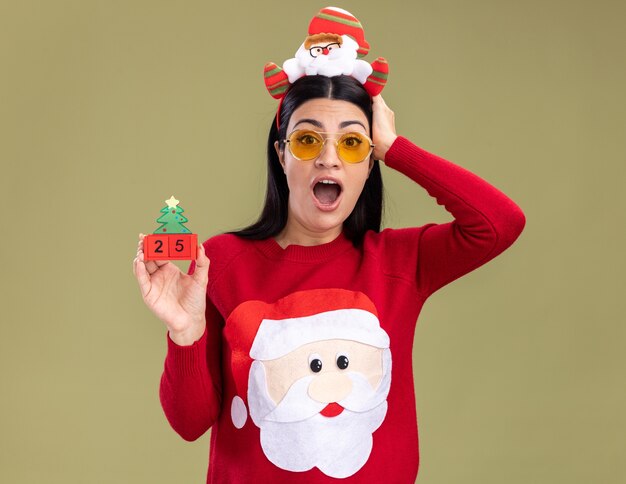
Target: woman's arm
191, 386
485, 223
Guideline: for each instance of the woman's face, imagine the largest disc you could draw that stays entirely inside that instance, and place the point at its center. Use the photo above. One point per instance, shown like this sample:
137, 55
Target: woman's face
317, 207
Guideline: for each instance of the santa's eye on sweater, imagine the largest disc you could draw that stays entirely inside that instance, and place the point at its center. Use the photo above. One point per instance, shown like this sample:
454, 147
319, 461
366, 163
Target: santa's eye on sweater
315, 363
342, 362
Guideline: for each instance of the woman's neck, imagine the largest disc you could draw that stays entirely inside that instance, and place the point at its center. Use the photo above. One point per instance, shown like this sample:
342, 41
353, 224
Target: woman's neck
292, 235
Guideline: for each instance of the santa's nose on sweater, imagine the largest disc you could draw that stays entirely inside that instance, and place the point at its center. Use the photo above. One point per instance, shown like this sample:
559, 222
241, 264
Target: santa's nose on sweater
330, 387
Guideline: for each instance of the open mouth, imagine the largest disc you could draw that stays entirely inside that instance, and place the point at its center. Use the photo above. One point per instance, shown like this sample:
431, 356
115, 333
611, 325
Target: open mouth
327, 192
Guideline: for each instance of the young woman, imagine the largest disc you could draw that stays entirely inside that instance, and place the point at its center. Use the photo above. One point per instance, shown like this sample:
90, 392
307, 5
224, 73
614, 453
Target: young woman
294, 343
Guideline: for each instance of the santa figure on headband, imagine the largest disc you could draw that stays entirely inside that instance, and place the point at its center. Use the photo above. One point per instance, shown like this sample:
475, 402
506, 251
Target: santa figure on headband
314, 372
327, 55
335, 43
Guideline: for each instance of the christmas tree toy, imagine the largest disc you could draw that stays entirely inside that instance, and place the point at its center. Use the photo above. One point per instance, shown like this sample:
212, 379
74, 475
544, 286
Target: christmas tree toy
172, 240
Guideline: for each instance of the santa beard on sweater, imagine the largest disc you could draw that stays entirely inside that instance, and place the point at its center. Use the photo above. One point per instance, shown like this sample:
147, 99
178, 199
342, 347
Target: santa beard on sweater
296, 437
339, 61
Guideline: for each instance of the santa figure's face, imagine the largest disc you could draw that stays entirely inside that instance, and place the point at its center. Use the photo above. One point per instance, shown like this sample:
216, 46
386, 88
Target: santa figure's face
318, 405
323, 49
329, 55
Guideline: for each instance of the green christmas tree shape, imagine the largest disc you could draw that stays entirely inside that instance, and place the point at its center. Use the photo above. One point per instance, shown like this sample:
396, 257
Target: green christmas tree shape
172, 219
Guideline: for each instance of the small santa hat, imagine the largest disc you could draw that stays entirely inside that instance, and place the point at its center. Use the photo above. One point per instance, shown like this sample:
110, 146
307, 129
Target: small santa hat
336, 20
256, 330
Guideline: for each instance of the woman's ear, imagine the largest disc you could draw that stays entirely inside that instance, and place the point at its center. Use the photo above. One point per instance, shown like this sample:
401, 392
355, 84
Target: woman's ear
280, 154
369, 170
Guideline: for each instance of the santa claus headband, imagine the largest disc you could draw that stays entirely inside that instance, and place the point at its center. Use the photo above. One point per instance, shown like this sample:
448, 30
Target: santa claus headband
334, 46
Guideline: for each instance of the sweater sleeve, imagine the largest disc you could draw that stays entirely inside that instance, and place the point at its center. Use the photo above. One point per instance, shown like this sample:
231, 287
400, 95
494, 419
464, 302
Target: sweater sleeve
486, 221
190, 389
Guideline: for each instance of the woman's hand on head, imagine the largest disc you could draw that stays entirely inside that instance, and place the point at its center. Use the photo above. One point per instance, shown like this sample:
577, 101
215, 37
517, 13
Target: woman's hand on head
383, 127
178, 299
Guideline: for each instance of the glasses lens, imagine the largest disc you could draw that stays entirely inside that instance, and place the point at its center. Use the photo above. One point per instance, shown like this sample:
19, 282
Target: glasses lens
305, 145
353, 147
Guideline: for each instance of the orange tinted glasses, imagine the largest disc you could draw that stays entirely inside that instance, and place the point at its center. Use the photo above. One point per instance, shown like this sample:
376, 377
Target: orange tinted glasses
307, 144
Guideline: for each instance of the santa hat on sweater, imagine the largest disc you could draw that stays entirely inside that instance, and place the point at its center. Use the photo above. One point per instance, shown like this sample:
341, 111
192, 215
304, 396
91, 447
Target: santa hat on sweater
256, 330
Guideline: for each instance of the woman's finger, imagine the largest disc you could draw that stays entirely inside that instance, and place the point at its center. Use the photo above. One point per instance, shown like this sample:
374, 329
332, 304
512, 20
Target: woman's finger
154, 265
151, 266
135, 265
383, 127
142, 275
201, 272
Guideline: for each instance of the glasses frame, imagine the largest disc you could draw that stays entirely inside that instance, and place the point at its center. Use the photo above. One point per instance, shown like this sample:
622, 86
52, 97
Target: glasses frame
336, 143
315, 47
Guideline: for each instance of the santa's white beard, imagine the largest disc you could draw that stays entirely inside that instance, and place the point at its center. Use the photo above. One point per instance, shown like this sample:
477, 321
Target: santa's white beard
339, 446
339, 61
296, 437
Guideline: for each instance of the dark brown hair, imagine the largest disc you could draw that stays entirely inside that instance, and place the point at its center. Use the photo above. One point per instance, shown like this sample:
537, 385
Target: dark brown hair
367, 213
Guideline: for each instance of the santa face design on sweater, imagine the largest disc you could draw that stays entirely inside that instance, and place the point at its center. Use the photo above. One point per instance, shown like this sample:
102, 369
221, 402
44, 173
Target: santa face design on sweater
318, 384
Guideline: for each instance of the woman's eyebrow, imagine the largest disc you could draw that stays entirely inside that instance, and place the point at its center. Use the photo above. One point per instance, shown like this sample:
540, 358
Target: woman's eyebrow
317, 124
314, 122
343, 124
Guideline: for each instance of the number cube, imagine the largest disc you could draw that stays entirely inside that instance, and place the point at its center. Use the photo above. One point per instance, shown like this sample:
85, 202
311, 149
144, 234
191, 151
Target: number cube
170, 247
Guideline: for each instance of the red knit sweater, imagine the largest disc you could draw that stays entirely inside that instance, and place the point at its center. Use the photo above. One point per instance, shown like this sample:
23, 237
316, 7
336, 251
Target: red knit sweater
210, 384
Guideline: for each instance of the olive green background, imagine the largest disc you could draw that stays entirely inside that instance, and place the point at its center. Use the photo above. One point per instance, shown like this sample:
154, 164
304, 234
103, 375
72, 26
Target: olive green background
110, 107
